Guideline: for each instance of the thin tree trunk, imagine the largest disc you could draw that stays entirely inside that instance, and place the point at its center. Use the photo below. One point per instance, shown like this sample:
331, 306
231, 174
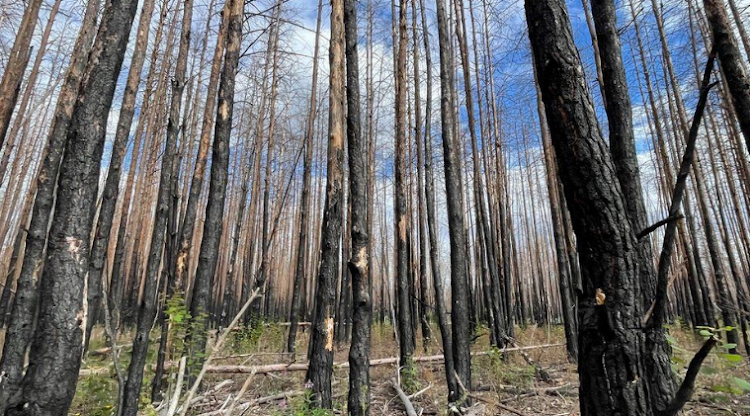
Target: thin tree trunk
213, 227
321, 351
731, 63
16, 66
359, 353
148, 305
305, 199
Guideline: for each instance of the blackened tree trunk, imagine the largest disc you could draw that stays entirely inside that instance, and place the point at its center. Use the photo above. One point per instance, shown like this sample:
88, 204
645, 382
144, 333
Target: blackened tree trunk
405, 323
570, 320
611, 359
55, 356
454, 184
359, 353
305, 199
10, 84
213, 227
731, 63
321, 349
148, 307
112, 186
185, 235
437, 281
625, 159
20, 328
173, 130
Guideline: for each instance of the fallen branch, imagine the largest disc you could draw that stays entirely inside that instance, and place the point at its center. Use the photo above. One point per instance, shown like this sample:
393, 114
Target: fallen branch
541, 373
107, 350
214, 350
404, 399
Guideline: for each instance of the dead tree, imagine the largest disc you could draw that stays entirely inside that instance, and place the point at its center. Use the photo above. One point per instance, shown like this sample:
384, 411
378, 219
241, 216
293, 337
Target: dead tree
20, 327
213, 227
321, 348
359, 353
148, 305
305, 198
405, 327
111, 190
611, 343
731, 63
454, 189
15, 67
624, 157
55, 356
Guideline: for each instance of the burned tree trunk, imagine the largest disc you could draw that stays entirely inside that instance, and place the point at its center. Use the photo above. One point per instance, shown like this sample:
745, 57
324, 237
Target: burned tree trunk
359, 353
454, 189
20, 327
112, 186
148, 307
213, 227
321, 349
432, 230
405, 323
624, 157
55, 356
305, 199
611, 359
10, 84
731, 63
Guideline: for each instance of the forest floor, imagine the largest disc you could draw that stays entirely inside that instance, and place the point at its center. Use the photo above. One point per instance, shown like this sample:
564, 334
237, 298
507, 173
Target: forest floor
504, 383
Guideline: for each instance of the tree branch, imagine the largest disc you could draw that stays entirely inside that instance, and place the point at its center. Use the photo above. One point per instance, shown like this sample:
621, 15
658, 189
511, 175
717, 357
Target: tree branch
655, 315
653, 227
688, 384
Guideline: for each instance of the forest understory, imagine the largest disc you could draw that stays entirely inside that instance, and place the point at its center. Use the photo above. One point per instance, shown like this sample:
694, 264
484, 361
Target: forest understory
504, 382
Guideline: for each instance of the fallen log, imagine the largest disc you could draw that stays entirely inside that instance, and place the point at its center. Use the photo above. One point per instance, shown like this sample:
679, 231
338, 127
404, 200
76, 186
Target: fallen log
273, 368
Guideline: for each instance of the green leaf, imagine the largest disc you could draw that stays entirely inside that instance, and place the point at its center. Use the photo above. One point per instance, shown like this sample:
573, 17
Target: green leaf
729, 346
705, 334
732, 358
742, 384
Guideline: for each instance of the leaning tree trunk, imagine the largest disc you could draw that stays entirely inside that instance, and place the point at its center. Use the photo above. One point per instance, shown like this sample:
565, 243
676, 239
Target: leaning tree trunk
147, 309
55, 357
731, 63
321, 351
213, 227
611, 359
10, 84
20, 327
100, 243
173, 130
